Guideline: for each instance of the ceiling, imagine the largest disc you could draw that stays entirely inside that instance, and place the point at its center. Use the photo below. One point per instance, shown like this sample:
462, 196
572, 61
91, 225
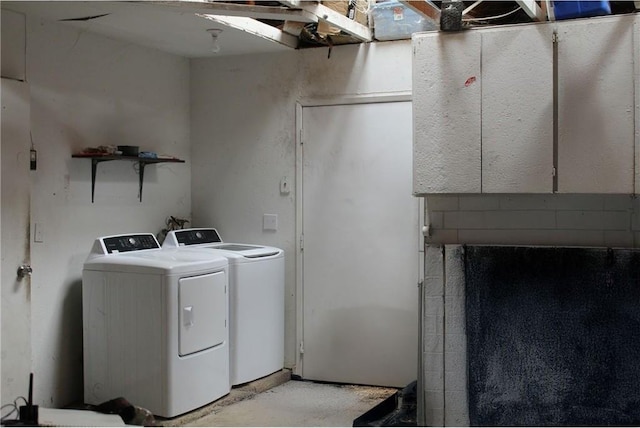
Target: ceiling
248, 27
168, 28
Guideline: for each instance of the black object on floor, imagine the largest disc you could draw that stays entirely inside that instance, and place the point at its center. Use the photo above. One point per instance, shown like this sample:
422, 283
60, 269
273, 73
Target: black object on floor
553, 336
398, 410
130, 414
27, 414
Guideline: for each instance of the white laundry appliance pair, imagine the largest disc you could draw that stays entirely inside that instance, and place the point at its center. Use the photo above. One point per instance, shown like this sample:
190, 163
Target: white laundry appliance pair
155, 325
256, 284
172, 329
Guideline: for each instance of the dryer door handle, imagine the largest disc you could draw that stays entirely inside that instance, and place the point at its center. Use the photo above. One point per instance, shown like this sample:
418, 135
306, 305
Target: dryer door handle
188, 316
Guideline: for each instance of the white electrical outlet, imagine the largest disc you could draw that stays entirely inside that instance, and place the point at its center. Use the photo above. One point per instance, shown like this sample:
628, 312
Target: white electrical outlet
270, 222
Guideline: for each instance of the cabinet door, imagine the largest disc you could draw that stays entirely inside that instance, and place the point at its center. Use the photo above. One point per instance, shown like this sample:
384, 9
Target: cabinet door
595, 106
517, 110
446, 113
636, 62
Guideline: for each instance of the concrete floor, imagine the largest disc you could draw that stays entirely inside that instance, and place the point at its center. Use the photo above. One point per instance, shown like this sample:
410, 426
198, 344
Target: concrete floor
298, 403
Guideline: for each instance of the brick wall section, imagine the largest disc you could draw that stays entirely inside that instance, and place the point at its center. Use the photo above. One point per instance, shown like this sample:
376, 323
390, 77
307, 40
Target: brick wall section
456, 412
563, 220
433, 337
444, 348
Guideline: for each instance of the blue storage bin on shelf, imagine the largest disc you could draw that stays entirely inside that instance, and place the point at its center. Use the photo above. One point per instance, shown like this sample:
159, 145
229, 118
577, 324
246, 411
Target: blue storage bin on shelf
580, 9
394, 21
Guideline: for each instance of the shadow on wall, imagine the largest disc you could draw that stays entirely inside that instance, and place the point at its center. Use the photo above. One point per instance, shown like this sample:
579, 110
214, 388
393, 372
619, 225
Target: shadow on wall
67, 367
341, 71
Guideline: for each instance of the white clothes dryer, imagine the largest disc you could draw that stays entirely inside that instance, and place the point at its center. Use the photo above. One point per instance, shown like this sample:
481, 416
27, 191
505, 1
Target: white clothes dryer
256, 283
155, 325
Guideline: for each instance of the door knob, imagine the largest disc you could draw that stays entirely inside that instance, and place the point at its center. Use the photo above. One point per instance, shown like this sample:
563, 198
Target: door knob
24, 270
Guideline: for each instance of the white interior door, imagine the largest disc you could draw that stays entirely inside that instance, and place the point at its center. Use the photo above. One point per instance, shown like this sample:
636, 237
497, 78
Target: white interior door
16, 308
360, 257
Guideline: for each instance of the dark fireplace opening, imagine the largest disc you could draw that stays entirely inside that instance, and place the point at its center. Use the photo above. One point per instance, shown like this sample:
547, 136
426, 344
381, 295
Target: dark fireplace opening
553, 336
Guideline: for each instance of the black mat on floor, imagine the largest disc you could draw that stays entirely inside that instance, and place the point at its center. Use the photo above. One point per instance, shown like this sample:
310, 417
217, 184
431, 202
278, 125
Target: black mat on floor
398, 410
553, 336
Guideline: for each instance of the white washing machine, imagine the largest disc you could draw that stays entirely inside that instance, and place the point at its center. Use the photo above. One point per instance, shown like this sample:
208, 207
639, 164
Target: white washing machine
256, 283
155, 325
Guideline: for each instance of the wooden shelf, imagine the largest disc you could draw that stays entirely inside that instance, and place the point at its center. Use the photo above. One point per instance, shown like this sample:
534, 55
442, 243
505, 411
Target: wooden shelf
96, 159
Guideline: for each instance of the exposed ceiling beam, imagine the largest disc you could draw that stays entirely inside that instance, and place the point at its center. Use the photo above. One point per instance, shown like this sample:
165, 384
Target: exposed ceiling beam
533, 10
335, 19
293, 28
256, 28
236, 9
424, 7
291, 3
470, 8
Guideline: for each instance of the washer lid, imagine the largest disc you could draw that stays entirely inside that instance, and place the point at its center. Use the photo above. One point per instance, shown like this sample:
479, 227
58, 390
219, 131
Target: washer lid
245, 250
210, 239
237, 247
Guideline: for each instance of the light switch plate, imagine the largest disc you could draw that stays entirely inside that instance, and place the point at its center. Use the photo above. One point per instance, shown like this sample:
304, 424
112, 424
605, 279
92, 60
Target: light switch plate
270, 222
284, 186
38, 232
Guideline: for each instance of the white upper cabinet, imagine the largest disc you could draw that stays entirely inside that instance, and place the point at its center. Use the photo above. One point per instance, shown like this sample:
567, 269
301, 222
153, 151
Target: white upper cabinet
596, 106
636, 74
483, 111
446, 113
484, 118
517, 110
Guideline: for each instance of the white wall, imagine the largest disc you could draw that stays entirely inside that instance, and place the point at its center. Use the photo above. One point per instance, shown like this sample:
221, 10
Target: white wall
243, 136
13, 54
87, 91
16, 340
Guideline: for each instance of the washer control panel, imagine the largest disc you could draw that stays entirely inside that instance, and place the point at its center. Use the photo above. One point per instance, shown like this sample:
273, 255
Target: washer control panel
126, 243
197, 236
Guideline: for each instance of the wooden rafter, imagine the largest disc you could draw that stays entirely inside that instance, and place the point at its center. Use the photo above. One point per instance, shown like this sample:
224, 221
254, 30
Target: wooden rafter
292, 11
291, 3
236, 9
424, 7
257, 28
335, 19
470, 8
532, 9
